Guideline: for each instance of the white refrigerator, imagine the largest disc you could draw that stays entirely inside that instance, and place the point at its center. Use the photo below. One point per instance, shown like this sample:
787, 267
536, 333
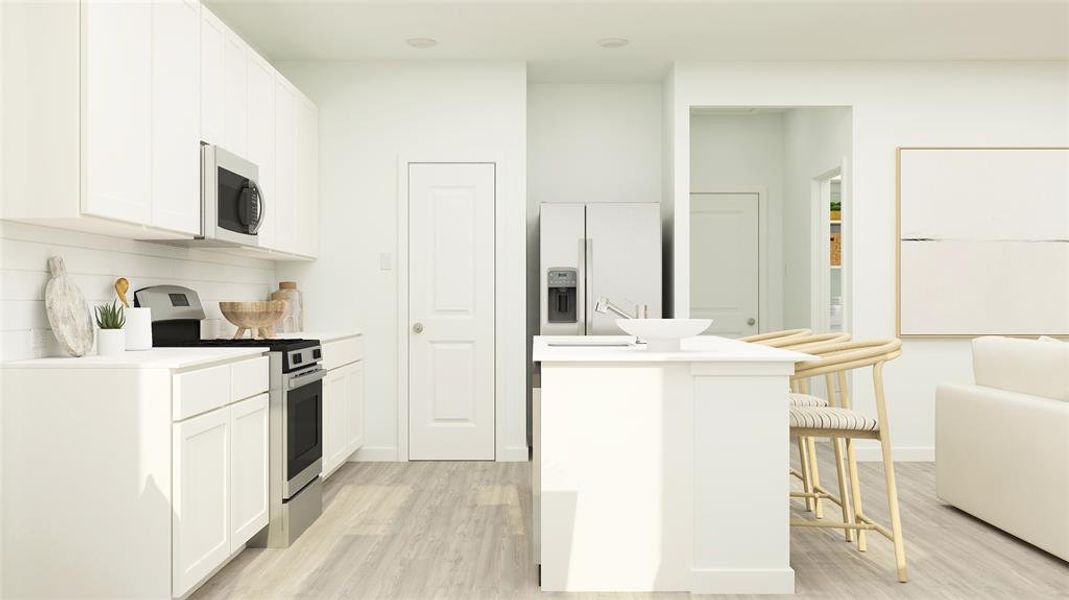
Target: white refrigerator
592, 251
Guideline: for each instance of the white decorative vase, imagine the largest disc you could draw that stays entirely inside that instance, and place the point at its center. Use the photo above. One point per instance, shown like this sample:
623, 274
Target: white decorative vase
138, 328
111, 342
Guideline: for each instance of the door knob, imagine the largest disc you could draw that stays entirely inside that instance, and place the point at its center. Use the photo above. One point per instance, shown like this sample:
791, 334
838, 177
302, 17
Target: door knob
751, 321
417, 328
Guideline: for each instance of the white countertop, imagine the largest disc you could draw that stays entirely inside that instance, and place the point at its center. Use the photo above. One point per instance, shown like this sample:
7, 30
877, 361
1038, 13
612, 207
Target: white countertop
156, 358
705, 348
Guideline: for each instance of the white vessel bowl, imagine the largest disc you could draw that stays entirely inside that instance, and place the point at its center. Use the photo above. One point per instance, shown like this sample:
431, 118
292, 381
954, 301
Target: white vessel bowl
664, 335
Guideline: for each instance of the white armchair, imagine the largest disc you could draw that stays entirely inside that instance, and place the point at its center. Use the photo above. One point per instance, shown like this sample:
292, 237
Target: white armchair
1002, 445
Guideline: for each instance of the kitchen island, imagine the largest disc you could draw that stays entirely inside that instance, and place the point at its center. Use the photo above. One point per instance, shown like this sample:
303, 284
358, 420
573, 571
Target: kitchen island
663, 471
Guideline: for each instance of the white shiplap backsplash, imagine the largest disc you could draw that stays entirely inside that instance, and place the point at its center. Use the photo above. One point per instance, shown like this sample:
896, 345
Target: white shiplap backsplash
94, 262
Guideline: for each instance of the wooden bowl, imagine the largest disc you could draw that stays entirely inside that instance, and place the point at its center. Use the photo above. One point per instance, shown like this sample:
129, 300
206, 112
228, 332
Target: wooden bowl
259, 316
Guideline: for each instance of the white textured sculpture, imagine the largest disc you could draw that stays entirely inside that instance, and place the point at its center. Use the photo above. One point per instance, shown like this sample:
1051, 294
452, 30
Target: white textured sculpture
68, 312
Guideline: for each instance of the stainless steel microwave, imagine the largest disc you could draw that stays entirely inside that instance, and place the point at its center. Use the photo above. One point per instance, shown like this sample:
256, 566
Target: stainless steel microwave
232, 207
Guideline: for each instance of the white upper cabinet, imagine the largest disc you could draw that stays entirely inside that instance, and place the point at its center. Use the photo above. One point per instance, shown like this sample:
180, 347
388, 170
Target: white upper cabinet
235, 94
286, 136
117, 52
175, 102
261, 111
307, 178
212, 78
113, 102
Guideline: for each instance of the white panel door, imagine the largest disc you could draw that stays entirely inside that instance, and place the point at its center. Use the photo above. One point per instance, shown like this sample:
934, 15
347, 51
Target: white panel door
354, 381
451, 311
235, 95
724, 262
284, 225
335, 418
175, 121
262, 142
212, 78
248, 469
200, 530
623, 261
118, 98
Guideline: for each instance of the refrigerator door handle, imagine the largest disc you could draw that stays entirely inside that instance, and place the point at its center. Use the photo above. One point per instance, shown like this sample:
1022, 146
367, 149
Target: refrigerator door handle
589, 258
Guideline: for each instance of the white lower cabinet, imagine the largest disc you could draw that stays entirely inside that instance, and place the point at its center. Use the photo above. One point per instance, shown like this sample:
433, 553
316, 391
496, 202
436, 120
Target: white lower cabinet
201, 502
355, 389
343, 414
248, 467
220, 487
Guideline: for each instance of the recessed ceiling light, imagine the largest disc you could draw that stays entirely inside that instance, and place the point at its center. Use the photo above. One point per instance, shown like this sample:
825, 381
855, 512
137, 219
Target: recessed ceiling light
613, 42
422, 42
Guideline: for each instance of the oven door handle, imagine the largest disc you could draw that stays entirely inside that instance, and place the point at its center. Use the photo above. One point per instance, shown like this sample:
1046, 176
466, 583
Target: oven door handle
305, 378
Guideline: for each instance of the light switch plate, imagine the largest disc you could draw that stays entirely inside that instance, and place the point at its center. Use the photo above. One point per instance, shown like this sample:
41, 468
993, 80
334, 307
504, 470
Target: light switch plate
385, 261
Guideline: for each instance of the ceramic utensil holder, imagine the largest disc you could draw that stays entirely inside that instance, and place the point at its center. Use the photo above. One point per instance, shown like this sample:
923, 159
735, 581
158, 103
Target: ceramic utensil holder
111, 342
138, 328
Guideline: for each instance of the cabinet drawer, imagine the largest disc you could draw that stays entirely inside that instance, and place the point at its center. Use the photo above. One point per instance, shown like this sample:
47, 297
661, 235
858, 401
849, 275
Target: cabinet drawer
248, 378
342, 352
199, 391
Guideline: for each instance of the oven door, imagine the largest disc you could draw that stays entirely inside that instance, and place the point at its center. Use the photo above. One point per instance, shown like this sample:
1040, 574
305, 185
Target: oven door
303, 434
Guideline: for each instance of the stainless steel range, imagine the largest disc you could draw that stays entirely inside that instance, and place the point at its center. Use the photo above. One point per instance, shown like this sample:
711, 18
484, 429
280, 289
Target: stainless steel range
296, 409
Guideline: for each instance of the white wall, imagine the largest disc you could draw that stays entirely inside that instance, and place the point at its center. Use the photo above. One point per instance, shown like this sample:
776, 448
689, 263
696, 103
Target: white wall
371, 114
894, 104
816, 140
94, 262
588, 142
729, 151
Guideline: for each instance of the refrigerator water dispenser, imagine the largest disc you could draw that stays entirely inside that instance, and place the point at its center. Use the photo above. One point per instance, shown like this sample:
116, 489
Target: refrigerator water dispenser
562, 290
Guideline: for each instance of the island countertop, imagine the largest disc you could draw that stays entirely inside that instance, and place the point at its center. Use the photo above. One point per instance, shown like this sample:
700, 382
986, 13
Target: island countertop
622, 348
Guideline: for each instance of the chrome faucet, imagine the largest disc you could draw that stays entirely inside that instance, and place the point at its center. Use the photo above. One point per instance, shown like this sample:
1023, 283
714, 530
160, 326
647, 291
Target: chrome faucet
604, 305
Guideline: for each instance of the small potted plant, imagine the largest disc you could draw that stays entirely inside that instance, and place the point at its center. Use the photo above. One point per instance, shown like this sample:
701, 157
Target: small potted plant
111, 339
836, 210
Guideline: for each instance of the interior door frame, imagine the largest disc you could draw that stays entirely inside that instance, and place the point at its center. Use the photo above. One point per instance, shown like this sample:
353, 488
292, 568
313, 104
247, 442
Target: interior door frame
820, 247
501, 452
762, 243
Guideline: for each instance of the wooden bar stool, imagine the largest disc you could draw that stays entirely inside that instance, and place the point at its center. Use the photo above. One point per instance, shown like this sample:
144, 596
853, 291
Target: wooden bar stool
776, 339
839, 421
808, 467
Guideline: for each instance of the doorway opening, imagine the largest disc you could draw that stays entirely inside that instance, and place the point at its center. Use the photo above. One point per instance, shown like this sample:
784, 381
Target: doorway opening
769, 259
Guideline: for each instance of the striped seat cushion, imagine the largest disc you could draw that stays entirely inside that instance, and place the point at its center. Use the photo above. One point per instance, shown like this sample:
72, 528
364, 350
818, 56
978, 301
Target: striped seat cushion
814, 417
806, 400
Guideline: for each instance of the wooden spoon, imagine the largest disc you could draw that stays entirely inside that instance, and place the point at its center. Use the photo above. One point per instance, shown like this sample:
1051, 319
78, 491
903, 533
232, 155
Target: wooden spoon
122, 285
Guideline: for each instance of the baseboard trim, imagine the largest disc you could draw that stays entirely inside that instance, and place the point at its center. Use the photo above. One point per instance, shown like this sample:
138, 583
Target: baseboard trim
375, 454
742, 581
514, 454
872, 453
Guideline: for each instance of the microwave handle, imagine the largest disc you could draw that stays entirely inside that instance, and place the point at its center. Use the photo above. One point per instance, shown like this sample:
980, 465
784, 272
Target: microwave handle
258, 197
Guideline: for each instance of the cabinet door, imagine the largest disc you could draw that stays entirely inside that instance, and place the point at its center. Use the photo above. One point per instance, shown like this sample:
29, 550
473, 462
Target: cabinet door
286, 155
235, 95
262, 146
212, 78
117, 99
175, 120
335, 419
307, 179
355, 386
200, 530
248, 469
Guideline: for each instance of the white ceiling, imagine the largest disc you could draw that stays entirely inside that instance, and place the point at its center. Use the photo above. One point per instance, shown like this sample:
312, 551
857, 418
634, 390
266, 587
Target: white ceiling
557, 38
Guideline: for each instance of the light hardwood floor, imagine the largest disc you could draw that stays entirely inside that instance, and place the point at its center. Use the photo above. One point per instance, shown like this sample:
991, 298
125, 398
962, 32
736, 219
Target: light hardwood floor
459, 530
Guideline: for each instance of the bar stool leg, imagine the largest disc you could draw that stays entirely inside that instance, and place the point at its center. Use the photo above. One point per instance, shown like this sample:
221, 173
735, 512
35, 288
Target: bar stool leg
844, 487
855, 489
